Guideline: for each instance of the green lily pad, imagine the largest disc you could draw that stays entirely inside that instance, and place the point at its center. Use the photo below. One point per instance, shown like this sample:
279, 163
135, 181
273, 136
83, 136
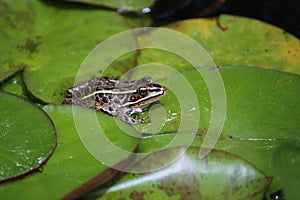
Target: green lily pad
27, 137
50, 40
246, 42
12, 40
71, 164
118, 4
286, 163
251, 95
218, 176
261, 104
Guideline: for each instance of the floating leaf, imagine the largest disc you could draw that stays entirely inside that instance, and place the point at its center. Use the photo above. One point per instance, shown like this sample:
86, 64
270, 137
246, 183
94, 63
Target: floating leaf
27, 137
218, 176
71, 163
51, 39
249, 131
246, 42
262, 103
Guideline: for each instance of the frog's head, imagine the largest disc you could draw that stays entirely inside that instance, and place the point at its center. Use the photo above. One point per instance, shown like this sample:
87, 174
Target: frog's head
146, 94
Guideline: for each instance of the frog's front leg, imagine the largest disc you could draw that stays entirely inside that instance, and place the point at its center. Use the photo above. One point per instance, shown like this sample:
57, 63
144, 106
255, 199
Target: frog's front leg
125, 114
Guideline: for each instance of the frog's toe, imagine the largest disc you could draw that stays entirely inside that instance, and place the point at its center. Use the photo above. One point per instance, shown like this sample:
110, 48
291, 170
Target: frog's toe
145, 120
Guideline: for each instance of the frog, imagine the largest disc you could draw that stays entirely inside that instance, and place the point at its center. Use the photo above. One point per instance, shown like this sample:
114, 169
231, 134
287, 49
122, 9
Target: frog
122, 99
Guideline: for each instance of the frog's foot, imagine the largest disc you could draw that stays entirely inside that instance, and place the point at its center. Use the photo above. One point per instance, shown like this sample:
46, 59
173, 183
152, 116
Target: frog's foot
125, 115
145, 120
130, 120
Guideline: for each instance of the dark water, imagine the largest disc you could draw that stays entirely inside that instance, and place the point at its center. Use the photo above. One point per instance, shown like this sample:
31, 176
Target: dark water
282, 13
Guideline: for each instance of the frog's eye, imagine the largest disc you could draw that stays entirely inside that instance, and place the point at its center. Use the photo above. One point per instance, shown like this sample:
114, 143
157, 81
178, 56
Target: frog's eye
142, 91
147, 79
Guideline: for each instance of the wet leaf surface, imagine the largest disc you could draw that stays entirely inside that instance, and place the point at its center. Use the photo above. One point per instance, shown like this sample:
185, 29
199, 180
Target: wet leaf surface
246, 42
219, 176
71, 164
28, 137
50, 40
251, 95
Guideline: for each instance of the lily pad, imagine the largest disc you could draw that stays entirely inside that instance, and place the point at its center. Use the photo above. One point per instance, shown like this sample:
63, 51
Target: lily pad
50, 40
28, 137
249, 131
246, 42
71, 163
218, 176
262, 104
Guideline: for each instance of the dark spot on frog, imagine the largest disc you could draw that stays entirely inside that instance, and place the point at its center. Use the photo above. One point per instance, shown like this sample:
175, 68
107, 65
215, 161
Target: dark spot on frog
100, 95
133, 121
87, 90
78, 95
98, 98
105, 100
